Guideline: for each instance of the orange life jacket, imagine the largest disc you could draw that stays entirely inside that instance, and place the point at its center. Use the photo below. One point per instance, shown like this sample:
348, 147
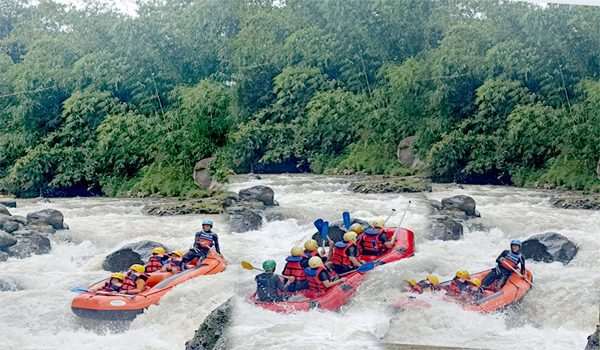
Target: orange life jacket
129, 281
154, 264
294, 268
370, 242
315, 285
340, 254
457, 288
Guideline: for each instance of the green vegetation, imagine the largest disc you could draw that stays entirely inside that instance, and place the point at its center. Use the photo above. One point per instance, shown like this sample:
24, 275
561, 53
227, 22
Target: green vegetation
96, 102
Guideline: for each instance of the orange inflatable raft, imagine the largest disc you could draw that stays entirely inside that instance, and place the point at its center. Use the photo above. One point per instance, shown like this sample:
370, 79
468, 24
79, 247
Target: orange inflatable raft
338, 295
105, 306
515, 288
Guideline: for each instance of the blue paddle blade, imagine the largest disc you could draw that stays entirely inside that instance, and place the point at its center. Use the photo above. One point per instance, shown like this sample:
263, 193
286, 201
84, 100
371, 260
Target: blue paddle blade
79, 290
318, 224
325, 230
346, 218
366, 267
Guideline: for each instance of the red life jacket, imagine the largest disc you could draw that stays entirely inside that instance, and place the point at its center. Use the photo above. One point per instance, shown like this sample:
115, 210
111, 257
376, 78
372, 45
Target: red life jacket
340, 254
294, 268
456, 288
309, 254
315, 285
129, 282
370, 242
508, 264
154, 264
416, 289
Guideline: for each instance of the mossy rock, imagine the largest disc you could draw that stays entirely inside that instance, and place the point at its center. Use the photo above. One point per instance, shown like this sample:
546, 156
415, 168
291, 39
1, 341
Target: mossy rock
391, 185
211, 205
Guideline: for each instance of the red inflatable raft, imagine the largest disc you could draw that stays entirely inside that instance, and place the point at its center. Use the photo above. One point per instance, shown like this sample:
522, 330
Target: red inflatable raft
104, 306
491, 300
339, 295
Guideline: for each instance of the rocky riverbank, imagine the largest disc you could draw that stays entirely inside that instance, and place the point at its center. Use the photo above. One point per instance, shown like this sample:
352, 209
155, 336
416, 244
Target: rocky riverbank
211, 335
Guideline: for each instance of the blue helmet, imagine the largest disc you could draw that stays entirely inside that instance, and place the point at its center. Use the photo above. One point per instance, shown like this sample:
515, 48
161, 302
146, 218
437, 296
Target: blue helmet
516, 242
207, 222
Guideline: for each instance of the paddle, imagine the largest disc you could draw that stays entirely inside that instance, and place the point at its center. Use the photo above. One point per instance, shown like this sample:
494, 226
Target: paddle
324, 231
518, 274
346, 219
80, 290
246, 265
318, 224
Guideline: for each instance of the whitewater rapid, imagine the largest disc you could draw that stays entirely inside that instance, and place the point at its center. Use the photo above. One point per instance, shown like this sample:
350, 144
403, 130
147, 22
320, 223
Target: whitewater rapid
557, 314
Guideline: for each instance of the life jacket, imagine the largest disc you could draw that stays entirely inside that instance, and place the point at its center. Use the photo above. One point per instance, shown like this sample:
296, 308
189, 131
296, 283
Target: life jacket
109, 287
513, 260
174, 266
206, 239
416, 289
370, 242
457, 288
293, 267
315, 285
340, 254
154, 264
309, 254
129, 281
267, 287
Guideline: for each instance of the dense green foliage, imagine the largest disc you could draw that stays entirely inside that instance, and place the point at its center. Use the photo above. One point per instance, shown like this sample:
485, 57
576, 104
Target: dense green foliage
93, 101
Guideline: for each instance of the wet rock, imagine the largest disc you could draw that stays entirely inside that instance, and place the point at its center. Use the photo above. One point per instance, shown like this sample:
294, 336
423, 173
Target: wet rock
9, 203
594, 340
9, 285
29, 243
4, 210
461, 203
133, 253
46, 229
201, 173
445, 228
3, 256
6, 240
230, 199
10, 226
591, 202
50, 217
263, 194
209, 205
406, 154
242, 219
391, 185
549, 247
212, 332
274, 215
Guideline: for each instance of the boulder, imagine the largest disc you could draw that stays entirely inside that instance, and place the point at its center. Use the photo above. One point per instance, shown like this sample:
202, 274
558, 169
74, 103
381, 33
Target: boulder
196, 206
201, 173
133, 253
9, 223
230, 199
462, 203
262, 194
9, 285
549, 247
594, 340
211, 334
391, 185
242, 219
445, 228
46, 229
6, 240
591, 202
50, 217
9, 203
406, 154
29, 243
4, 210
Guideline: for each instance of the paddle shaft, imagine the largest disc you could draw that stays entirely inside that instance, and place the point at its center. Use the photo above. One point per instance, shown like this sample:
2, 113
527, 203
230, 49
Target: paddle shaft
520, 275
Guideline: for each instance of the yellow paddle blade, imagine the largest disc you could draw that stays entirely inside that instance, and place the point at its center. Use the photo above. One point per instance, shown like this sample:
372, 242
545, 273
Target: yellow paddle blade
246, 265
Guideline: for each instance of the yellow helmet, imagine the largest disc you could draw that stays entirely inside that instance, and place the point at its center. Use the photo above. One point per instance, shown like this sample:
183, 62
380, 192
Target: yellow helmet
358, 228
350, 236
378, 223
159, 251
433, 279
412, 282
476, 282
297, 251
179, 253
137, 268
118, 275
463, 274
311, 245
315, 262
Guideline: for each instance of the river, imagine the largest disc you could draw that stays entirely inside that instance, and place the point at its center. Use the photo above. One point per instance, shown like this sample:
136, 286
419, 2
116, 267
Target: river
557, 314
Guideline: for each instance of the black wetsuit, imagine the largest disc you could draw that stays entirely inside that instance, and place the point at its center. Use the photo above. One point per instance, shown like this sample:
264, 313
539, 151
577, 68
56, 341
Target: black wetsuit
269, 287
501, 273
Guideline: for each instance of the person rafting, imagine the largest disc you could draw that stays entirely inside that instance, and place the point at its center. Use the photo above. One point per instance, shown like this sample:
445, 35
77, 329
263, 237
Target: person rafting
319, 276
459, 284
374, 241
270, 286
311, 248
431, 283
344, 255
294, 271
204, 241
135, 280
207, 226
507, 262
175, 262
157, 260
114, 283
